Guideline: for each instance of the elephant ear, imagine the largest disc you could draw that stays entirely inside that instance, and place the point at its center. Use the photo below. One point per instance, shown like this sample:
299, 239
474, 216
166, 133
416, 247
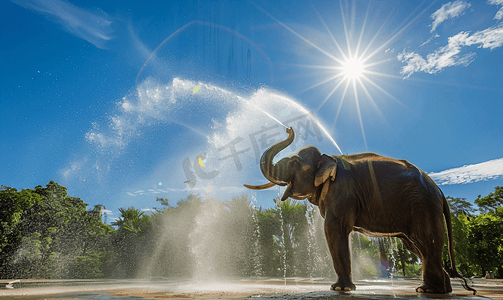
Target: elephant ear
327, 167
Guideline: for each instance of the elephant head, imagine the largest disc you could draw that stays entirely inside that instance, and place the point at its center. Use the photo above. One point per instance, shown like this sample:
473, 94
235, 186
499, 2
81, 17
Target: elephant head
302, 172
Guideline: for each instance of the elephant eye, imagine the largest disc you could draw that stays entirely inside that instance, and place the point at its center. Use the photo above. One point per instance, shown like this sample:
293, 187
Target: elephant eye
295, 162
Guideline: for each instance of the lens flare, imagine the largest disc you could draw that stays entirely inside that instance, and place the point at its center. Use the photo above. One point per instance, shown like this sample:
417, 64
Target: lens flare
352, 65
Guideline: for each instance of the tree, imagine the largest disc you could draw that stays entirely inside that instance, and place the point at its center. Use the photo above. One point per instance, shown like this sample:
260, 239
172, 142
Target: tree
132, 219
462, 248
406, 261
13, 205
295, 237
461, 212
132, 239
47, 231
164, 202
460, 206
239, 238
269, 224
97, 259
486, 241
491, 201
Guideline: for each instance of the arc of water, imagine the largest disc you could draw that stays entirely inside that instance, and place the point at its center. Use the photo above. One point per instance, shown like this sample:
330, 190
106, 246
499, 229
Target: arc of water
317, 123
304, 110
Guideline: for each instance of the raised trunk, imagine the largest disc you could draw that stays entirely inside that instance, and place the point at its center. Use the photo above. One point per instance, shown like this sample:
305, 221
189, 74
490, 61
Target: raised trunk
276, 173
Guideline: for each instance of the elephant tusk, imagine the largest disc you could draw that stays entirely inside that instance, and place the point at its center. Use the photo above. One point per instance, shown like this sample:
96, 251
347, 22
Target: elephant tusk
260, 187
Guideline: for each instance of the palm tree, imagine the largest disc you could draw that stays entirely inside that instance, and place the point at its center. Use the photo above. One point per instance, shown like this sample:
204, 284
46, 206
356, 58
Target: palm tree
132, 219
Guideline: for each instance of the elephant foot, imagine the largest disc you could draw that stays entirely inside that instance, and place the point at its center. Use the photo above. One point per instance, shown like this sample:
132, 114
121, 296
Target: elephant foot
343, 286
434, 290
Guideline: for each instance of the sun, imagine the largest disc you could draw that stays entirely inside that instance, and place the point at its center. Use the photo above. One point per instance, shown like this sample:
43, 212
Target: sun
353, 69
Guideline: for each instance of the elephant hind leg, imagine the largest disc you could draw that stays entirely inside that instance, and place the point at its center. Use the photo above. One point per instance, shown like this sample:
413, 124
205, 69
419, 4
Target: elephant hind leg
424, 288
436, 288
435, 278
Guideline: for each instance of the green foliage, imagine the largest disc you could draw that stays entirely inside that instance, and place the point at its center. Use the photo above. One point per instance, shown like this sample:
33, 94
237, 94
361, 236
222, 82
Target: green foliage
413, 270
460, 206
13, 204
44, 230
133, 220
406, 262
131, 239
89, 265
269, 224
366, 262
478, 239
486, 241
164, 202
462, 253
491, 201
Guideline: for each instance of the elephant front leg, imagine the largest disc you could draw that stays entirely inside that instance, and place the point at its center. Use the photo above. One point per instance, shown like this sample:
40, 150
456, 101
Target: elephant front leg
338, 243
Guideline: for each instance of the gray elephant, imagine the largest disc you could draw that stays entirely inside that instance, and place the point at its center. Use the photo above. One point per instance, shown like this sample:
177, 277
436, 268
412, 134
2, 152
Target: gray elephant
371, 194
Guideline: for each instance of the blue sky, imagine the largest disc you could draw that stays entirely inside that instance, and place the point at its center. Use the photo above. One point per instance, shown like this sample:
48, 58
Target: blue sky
125, 101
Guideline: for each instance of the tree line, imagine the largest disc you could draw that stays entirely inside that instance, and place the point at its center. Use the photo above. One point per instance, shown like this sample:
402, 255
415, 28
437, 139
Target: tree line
45, 233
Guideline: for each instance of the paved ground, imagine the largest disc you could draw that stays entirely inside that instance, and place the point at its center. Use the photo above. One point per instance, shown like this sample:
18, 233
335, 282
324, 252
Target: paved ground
292, 288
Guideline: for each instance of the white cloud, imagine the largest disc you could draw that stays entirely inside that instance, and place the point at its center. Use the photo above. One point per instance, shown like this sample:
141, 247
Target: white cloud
443, 57
89, 26
448, 55
107, 211
499, 14
471, 173
450, 10
430, 39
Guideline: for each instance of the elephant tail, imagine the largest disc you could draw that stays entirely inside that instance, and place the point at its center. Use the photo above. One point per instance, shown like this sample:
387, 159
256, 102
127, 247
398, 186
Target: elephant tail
450, 246
450, 239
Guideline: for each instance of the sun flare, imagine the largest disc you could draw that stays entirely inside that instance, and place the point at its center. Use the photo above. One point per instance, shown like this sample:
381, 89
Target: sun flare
353, 68
354, 65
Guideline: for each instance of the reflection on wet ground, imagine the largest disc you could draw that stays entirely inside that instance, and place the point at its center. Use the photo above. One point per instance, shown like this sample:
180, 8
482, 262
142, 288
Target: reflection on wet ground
292, 288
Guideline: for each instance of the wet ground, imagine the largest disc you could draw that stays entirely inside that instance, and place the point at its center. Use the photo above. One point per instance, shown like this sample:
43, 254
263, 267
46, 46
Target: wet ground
292, 288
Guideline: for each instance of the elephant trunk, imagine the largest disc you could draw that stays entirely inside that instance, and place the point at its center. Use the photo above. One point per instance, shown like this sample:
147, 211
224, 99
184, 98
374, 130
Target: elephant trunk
276, 173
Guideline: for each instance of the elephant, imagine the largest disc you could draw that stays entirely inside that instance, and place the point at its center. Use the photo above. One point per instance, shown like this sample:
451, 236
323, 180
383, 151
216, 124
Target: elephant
371, 194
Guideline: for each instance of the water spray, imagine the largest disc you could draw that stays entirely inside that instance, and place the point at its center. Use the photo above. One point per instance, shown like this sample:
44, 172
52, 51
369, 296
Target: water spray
328, 135
301, 108
269, 115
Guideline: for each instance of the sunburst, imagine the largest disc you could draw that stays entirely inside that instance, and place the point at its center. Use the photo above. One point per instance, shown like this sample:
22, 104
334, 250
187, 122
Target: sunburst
351, 67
